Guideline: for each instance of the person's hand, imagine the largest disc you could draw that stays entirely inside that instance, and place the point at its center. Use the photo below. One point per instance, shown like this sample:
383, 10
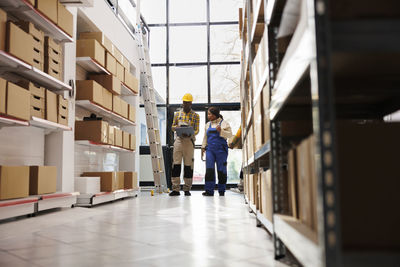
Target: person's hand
202, 151
185, 135
230, 145
219, 128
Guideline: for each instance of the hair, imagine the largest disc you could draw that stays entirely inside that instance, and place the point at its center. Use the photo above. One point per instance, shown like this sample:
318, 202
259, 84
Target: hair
215, 111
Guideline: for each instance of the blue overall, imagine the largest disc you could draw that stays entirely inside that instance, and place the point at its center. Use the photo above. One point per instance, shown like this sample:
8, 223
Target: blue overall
216, 152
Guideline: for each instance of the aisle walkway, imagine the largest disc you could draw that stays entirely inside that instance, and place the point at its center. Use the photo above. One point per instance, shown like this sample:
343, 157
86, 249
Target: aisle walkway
144, 231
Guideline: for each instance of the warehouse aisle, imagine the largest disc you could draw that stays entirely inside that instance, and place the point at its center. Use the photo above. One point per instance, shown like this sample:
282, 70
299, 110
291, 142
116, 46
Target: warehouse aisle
144, 231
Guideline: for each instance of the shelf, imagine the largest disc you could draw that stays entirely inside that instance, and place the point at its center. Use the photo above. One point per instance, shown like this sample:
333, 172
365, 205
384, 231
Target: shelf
99, 110
265, 149
88, 200
299, 239
253, 208
103, 146
250, 161
22, 9
8, 121
9, 63
91, 65
57, 200
256, 23
126, 91
294, 65
264, 221
261, 85
370, 259
48, 125
17, 207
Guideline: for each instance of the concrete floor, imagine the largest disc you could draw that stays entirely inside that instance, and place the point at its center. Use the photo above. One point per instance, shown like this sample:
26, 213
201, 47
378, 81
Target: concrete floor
143, 231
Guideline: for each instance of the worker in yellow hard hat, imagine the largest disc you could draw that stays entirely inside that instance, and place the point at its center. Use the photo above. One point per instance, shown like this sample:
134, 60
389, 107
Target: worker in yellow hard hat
186, 127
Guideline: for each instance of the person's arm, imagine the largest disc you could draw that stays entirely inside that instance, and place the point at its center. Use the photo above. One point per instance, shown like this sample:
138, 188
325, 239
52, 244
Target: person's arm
236, 138
226, 131
196, 123
204, 144
175, 121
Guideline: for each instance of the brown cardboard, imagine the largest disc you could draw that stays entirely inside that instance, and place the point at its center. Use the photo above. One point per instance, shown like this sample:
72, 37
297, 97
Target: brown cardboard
52, 53
120, 180
292, 183
65, 20
100, 37
38, 102
51, 63
96, 131
52, 49
61, 119
30, 28
18, 102
118, 137
51, 106
53, 73
14, 182
124, 109
132, 142
111, 64
35, 90
19, 43
42, 180
38, 65
266, 195
3, 95
111, 135
3, 29
118, 55
258, 123
89, 90
110, 82
120, 72
131, 113
62, 116
38, 112
131, 81
107, 99
48, 8
91, 48
108, 180
126, 140
126, 64
116, 104
32, 2
130, 180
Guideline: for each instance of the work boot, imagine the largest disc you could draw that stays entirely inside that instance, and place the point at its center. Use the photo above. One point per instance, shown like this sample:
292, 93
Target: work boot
221, 193
174, 193
187, 193
207, 194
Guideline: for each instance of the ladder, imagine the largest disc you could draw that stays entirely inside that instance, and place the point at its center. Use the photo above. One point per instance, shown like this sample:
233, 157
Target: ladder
152, 121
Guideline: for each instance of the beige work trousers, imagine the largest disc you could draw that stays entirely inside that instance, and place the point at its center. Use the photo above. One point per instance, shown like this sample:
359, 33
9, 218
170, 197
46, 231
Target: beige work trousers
183, 149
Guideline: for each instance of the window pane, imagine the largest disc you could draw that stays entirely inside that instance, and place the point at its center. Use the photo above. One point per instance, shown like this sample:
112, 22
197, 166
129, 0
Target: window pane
144, 139
188, 44
199, 170
162, 116
225, 10
199, 137
157, 44
188, 80
187, 11
143, 128
160, 82
225, 81
234, 165
225, 44
153, 11
233, 118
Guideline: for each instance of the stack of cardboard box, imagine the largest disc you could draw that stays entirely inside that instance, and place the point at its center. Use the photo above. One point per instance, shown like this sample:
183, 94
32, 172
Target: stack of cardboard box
111, 181
53, 64
38, 43
38, 103
15, 101
19, 43
57, 13
62, 114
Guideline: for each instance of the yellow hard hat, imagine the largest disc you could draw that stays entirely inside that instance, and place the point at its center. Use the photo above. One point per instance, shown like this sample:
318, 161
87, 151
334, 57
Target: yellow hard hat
187, 98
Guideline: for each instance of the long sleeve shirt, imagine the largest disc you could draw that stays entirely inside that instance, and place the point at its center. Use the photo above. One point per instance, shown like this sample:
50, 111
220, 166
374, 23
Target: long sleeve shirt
226, 131
190, 119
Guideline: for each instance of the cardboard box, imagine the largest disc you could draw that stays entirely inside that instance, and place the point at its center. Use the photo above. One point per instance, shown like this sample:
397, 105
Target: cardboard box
111, 135
118, 137
48, 8
131, 81
32, 2
118, 55
42, 180
131, 181
266, 195
111, 64
120, 72
89, 90
51, 63
62, 116
131, 113
3, 29
52, 49
108, 180
65, 20
91, 48
110, 82
38, 112
258, 127
124, 109
292, 183
116, 104
18, 102
107, 99
132, 142
51, 106
96, 131
38, 102
87, 185
120, 180
126, 64
100, 37
30, 28
126, 142
3, 95
19, 43
53, 73
14, 182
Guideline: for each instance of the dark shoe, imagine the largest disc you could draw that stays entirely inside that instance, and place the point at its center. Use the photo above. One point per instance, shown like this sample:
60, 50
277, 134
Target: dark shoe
174, 193
221, 194
187, 193
207, 194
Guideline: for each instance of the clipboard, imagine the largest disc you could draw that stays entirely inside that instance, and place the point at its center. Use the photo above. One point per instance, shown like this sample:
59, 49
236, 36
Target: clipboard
188, 130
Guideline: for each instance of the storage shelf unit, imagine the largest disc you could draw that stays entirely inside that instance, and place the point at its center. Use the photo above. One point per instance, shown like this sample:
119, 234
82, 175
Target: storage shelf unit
103, 146
88, 200
8, 121
49, 126
56, 200
11, 64
111, 116
22, 9
91, 65
126, 91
